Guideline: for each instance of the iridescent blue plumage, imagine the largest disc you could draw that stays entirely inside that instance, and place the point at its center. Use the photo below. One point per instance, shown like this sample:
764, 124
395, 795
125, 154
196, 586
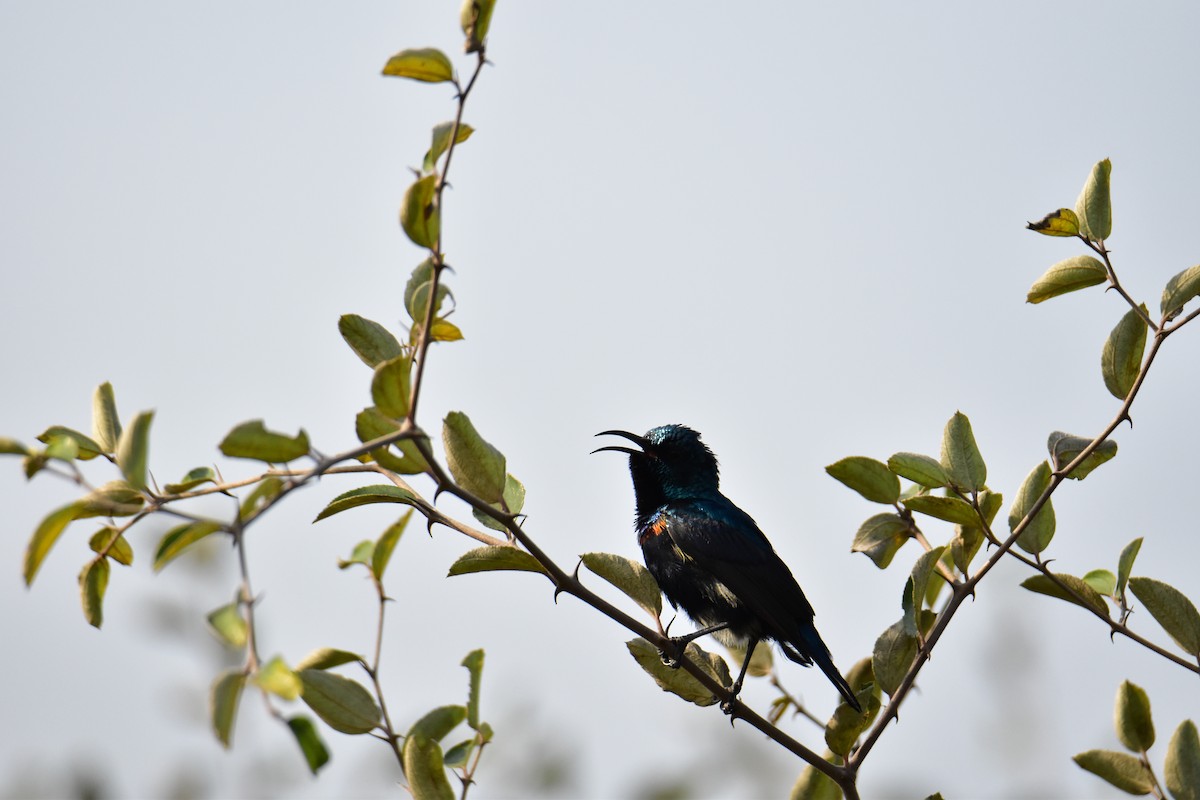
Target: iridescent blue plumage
710, 558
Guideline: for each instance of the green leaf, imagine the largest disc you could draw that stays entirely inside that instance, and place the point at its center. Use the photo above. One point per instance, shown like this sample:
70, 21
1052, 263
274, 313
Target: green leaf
422, 64
416, 292
119, 551
474, 664
419, 215
181, 537
1064, 448
815, 785
1088, 597
47, 533
1121, 359
965, 544
93, 582
870, 478
1093, 207
950, 509
1070, 275
1172, 610
512, 503
370, 424
133, 449
1135, 725
679, 681
490, 558
846, 724
1063, 222
629, 576
990, 504
106, 425
194, 478
919, 469
12, 447
252, 440
386, 543
391, 386
894, 652
476, 465
1122, 770
343, 704
229, 625
363, 553
1182, 767
459, 754
961, 458
438, 723
1103, 581
880, 537
223, 703
425, 769
263, 493
113, 499
365, 495
369, 340
1037, 534
62, 447
475, 16
316, 755
924, 569
441, 141
86, 448
277, 678
328, 657
1179, 290
1125, 564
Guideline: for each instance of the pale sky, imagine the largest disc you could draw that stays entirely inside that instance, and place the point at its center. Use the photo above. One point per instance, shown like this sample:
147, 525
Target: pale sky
796, 228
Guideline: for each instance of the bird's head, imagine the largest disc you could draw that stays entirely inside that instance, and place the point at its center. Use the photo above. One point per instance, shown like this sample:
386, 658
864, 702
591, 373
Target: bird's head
672, 464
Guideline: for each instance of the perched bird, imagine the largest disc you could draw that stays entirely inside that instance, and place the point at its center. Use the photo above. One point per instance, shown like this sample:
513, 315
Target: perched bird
710, 558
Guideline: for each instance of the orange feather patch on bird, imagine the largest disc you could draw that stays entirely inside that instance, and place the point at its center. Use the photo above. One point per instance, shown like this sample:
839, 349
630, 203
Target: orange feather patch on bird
656, 528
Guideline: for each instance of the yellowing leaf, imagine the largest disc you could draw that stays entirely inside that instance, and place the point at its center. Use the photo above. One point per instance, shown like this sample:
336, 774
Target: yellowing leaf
422, 64
1063, 222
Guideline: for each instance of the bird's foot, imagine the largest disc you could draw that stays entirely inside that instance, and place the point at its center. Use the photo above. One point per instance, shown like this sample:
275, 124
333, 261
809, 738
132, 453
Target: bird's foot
730, 706
673, 655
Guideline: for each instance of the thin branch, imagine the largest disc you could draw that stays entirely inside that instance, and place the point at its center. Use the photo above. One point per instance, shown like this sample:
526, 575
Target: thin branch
1114, 626
1102, 251
436, 254
967, 588
568, 584
392, 738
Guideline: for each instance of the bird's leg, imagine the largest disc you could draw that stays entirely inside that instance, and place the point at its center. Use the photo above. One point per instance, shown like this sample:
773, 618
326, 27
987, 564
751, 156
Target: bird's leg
679, 644
727, 706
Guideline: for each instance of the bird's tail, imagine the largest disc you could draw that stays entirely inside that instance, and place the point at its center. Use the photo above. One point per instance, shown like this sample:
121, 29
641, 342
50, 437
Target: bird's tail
807, 649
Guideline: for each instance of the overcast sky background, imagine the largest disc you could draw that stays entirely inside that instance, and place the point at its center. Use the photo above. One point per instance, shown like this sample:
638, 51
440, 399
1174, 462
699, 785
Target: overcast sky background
795, 227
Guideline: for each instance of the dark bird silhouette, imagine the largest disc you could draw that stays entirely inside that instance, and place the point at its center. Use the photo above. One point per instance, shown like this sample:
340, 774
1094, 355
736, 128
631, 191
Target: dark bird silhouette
710, 558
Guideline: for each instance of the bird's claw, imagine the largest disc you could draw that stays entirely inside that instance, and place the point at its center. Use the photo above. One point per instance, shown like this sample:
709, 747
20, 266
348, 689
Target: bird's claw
674, 657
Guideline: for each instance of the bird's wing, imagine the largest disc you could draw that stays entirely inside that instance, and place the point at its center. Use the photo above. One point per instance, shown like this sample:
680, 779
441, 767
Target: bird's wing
725, 542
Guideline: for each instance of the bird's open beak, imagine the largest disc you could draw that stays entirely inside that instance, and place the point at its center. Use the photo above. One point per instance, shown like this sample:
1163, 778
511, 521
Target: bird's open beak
633, 437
